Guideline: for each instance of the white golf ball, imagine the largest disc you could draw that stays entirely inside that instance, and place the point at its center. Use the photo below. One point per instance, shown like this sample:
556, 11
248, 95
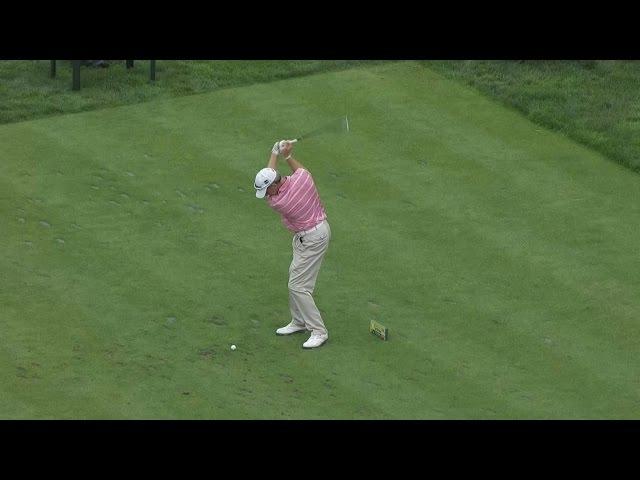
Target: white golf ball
233, 347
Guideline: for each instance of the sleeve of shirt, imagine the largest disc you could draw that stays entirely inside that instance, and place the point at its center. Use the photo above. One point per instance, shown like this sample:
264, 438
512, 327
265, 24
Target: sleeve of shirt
301, 173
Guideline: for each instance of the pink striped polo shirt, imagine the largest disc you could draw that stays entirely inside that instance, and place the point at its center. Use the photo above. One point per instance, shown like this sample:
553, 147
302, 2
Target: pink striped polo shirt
298, 202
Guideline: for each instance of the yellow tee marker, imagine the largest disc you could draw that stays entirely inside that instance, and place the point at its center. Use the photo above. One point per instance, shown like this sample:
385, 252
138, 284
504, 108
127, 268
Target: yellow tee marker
379, 330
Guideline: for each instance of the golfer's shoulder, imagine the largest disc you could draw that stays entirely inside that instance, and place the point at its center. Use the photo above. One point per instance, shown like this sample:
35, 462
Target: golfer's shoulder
301, 173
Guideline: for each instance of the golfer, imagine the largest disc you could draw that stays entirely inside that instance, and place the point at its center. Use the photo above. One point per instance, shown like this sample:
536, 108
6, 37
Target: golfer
296, 199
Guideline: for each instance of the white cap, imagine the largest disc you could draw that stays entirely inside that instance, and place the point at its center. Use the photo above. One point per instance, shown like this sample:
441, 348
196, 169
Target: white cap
264, 178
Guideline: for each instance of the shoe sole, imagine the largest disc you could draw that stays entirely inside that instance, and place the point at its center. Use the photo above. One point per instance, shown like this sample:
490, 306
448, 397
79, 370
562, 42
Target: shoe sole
292, 333
321, 345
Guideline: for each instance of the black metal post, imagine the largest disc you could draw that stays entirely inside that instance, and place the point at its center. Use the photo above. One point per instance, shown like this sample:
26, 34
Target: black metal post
76, 75
152, 70
52, 74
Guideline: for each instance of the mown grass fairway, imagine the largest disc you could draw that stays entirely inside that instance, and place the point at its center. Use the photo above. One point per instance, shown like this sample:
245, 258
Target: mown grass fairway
503, 259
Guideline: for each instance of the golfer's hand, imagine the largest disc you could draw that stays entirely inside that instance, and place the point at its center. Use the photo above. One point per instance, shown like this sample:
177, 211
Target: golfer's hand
285, 148
276, 148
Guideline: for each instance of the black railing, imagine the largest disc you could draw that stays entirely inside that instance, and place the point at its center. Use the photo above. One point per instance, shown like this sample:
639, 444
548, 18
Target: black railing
76, 64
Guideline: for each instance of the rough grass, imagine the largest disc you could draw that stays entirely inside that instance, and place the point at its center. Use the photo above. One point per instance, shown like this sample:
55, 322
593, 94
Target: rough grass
596, 103
27, 91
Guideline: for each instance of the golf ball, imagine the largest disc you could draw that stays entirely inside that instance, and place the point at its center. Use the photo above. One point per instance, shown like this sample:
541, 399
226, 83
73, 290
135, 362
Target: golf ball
233, 347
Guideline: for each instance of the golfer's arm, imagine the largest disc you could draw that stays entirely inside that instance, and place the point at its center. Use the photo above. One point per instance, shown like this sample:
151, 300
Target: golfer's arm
293, 163
273, 161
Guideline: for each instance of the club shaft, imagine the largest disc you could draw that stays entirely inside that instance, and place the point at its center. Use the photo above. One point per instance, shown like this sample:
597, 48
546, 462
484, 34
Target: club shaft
327, 128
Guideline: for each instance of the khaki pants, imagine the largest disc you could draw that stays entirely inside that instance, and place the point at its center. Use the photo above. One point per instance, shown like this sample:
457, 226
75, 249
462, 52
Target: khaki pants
308, 252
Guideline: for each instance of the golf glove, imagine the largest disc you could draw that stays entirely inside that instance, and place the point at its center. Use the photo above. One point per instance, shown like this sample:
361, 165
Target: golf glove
276, 148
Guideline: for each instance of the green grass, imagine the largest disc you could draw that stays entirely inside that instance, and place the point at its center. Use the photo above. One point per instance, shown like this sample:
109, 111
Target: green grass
501, 256
596, 103
27, 91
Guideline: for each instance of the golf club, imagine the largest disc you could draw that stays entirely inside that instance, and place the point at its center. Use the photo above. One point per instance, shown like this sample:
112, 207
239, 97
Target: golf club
333, 126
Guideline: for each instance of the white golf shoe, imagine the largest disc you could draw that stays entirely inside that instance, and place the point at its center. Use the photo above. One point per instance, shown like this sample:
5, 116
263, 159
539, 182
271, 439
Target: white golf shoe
291, 328
315, 340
